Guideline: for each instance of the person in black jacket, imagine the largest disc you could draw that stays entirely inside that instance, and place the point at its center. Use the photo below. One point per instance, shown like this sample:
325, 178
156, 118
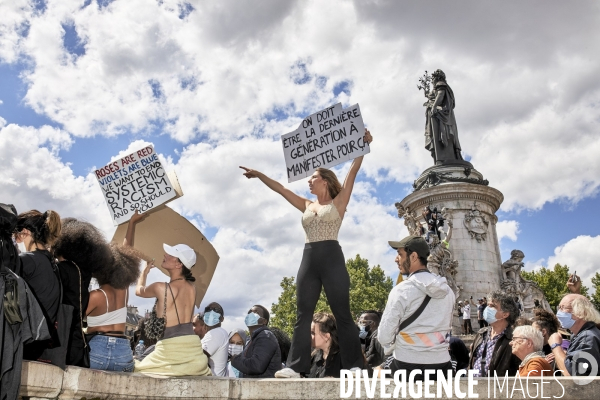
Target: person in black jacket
34, 234
261, 358
368, 323
326, 361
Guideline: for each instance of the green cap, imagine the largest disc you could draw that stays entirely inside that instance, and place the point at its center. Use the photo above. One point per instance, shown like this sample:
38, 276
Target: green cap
413, 243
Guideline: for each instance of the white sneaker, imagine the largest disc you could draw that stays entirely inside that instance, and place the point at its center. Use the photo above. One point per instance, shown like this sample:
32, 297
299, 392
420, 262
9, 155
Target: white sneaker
287, 373
354, 369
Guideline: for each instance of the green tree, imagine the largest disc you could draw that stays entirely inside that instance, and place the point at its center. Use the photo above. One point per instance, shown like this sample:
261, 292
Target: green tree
369, 289
553, 282
596, 296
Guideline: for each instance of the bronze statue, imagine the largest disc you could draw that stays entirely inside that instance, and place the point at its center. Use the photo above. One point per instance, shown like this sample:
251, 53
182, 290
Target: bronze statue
441, 133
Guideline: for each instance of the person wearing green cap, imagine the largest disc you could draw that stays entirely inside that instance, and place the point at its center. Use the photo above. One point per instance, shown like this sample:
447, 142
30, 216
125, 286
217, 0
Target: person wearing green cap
418, 313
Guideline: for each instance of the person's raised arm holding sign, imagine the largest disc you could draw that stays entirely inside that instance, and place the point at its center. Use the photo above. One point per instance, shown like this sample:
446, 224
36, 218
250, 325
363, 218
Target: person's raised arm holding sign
322, 264
171, 317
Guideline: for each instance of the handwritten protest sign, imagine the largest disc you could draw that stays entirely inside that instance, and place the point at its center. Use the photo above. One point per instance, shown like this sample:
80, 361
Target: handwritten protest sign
137, 181
324, 139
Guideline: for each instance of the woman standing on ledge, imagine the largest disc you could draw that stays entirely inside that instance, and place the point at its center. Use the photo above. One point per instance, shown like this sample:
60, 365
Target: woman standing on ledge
322, 265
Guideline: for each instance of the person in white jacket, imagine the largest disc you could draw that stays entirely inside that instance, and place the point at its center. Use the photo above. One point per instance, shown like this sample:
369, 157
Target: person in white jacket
420, 344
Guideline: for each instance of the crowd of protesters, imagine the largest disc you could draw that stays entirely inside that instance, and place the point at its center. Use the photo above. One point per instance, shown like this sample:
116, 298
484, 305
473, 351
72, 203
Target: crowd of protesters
56, 260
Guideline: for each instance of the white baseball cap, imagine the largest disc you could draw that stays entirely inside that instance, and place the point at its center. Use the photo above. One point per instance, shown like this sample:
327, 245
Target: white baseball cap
185, 253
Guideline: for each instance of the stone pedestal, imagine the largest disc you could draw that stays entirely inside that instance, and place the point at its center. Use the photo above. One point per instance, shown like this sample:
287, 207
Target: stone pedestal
470, 205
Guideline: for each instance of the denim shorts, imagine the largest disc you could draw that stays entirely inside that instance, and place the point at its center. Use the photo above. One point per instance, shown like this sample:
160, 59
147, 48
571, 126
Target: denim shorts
111, 354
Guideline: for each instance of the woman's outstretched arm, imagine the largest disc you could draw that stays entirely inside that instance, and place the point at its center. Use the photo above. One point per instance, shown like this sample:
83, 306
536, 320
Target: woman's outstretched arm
343, 197
297, 201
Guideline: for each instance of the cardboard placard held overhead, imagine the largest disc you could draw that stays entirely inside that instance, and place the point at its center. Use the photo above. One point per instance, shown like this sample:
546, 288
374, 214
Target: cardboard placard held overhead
324, 139
136, 181
164, 225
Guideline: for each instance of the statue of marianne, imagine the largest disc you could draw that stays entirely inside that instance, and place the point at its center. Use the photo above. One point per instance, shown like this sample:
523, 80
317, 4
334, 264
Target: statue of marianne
441, 133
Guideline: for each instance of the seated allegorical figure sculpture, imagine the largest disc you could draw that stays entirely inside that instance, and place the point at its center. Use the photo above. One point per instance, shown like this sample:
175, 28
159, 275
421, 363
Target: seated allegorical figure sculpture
511, 269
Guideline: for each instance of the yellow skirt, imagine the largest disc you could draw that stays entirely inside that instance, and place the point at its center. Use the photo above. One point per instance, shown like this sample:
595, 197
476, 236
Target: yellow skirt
178, 356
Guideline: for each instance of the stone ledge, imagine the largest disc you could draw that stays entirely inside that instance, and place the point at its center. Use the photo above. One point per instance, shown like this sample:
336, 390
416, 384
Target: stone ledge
43, 381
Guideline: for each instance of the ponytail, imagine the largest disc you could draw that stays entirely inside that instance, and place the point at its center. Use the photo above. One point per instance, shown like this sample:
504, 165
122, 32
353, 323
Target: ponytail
45, 228
54, 226
187, 274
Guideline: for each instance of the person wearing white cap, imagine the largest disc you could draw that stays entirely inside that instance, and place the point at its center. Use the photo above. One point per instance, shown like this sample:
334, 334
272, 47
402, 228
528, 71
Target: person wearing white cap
179, 350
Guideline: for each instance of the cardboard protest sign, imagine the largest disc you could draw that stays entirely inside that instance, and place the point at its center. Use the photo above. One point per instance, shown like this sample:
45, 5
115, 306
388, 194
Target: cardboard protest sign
324, 139
164, 225
136, 181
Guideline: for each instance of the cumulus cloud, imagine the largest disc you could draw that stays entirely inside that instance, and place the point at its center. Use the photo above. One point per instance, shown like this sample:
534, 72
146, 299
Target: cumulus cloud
581, 254
200, 71
226, 78
507, 229
34, 176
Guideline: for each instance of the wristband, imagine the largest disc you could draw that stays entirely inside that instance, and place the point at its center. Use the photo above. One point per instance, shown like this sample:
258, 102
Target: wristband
553, 346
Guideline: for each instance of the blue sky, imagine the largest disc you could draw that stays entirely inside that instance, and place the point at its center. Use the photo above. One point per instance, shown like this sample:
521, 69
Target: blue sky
214, 85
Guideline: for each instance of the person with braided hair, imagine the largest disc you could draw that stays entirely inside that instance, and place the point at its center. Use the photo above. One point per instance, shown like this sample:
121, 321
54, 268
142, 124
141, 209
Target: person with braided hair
34, 234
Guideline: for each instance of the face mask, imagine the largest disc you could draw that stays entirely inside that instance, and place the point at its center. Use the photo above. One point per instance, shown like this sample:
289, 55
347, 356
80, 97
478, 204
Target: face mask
235, 349
489, 314
21, 247
565, 318
252, 319
363, 332
212, 318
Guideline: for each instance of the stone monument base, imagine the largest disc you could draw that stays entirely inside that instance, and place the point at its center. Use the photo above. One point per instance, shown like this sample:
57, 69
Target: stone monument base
471, 264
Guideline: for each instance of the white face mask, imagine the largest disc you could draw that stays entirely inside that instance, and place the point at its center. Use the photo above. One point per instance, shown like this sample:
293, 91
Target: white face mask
21, 247
235, 349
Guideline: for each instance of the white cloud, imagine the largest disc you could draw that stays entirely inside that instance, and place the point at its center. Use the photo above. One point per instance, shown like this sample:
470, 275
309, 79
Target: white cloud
13, 25
581, 255
224, 70
34, 177
507, 229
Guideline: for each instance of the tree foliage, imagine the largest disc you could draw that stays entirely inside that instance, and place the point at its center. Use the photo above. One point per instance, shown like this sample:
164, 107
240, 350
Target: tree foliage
595, 297
553, 282
369, 289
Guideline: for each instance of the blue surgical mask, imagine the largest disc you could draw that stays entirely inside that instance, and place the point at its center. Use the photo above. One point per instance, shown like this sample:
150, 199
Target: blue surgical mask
565, 319
489, 314
252, 319
212, 318
363, 332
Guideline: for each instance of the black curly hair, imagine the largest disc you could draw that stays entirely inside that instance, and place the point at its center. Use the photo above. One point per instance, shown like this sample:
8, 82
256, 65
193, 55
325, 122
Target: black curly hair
284, 341
124, 269
84, 244
546, 320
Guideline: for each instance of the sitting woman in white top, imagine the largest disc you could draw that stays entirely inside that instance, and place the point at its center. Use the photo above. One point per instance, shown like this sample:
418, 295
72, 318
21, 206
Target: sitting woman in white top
107, 312
179, 350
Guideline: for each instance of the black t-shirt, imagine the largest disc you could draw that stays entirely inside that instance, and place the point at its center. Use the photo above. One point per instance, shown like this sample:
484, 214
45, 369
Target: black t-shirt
319, 369
37, 271
69, 277
459, 351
